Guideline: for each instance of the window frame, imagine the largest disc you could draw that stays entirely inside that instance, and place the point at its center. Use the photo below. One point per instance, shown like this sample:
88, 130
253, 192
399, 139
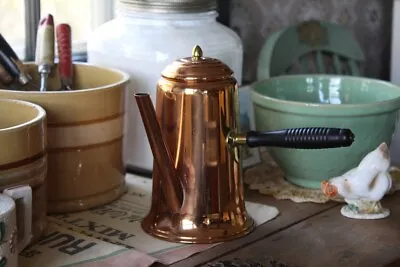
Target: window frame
395, 54
101, 12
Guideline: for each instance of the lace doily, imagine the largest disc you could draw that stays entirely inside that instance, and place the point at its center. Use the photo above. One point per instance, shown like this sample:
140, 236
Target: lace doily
268, 179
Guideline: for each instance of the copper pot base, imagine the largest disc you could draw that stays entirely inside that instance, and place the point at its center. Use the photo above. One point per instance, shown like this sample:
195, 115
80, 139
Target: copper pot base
218, 230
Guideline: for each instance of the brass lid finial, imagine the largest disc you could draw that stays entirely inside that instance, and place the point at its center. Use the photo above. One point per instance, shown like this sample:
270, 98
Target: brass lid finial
197, 68
197, 53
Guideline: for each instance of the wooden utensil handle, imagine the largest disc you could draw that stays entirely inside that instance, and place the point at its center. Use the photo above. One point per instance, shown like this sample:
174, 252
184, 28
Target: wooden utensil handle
64, 43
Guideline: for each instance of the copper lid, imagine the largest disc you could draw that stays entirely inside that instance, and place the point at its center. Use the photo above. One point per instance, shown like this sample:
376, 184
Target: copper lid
197, 69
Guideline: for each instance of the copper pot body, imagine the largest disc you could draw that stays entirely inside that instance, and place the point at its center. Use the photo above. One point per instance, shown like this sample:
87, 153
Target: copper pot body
195, 117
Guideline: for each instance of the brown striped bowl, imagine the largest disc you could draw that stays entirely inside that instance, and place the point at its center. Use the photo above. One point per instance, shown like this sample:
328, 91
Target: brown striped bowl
23, 158
85, 132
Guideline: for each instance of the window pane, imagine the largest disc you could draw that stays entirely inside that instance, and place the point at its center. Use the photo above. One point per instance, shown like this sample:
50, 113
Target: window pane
75, 12
12, 24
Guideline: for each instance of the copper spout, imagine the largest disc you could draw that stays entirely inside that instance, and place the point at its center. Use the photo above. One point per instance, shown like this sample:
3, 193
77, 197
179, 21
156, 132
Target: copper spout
162, 156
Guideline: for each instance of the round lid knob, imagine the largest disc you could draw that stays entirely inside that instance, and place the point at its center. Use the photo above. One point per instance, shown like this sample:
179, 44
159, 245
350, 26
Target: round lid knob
197, 69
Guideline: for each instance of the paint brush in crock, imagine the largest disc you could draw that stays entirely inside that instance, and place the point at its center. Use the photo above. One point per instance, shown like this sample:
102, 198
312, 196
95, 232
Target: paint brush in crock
18, 71
45, 50
10, 75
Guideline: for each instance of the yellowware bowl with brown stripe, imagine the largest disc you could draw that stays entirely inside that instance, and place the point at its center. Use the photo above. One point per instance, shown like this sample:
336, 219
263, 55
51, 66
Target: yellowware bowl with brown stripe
23, 159
85, 132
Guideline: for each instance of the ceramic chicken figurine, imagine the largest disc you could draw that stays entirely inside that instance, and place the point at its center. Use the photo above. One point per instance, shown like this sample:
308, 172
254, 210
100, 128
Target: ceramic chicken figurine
364, 186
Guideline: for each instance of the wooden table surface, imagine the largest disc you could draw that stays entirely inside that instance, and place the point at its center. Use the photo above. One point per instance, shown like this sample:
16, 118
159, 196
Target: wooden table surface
313, 235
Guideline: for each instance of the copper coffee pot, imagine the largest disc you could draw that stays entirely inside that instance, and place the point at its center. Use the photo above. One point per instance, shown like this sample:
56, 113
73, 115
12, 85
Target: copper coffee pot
197, 177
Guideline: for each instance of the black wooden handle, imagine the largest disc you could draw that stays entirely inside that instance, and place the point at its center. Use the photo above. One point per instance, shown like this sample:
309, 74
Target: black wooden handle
302, 138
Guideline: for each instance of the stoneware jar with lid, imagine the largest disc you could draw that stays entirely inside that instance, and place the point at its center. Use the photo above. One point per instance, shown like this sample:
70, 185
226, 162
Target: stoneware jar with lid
144, 38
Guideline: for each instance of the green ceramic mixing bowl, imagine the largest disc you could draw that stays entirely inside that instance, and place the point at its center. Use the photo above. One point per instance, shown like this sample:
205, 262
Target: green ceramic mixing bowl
366, 106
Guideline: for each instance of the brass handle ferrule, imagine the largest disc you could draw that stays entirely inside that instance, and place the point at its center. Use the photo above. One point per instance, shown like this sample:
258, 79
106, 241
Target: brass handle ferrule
235, 139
